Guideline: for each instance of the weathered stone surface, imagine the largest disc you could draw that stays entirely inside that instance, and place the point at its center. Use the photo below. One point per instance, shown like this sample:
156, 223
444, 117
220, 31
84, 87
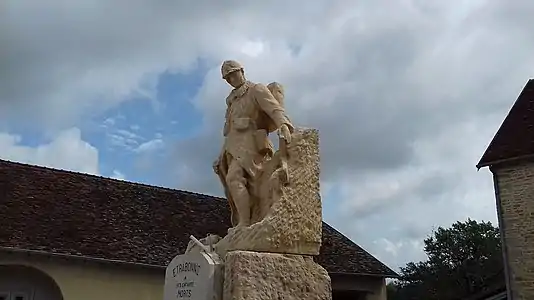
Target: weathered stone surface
266, 276
516, 206
294, 222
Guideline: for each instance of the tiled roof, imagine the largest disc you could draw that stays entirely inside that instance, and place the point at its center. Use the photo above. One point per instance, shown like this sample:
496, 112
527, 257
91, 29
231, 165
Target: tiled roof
515, 137
70, 213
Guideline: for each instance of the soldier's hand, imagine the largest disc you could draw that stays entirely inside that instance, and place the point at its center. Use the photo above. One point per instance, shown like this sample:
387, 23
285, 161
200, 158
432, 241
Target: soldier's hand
285, 133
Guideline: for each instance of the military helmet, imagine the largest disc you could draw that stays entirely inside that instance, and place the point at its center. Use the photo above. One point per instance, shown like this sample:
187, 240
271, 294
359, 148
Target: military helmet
230, 66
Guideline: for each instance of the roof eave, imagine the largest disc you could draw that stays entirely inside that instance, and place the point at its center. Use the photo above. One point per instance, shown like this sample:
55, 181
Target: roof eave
483, 165
78, 257
392, 274
504, 161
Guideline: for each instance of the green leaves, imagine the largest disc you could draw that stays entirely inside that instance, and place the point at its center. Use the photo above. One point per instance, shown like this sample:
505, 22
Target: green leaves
462, 260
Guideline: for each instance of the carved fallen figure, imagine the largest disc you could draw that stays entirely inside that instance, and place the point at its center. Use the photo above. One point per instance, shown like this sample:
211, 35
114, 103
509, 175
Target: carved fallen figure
247, 167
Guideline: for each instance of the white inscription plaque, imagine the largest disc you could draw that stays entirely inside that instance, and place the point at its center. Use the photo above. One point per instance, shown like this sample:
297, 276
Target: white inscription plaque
193, 276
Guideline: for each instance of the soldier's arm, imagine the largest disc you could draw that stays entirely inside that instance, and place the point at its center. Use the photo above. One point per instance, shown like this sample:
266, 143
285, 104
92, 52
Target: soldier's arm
270, 106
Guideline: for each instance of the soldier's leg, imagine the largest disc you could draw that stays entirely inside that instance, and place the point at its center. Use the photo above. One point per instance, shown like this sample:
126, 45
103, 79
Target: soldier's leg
237, 184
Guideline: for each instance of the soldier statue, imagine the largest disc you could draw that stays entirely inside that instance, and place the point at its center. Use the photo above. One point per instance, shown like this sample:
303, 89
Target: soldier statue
252, 113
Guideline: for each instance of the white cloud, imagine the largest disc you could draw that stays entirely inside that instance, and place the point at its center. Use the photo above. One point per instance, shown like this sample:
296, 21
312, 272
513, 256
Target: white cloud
440, 188
118, 175
65, 151
121, 138
253, 48
109, 122
121, 141
150, 146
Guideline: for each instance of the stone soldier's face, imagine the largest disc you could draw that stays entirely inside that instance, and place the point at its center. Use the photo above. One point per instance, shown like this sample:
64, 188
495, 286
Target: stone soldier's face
235, 79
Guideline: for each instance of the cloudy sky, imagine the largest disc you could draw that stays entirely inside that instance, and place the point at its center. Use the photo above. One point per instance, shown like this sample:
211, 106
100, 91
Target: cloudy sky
406, 94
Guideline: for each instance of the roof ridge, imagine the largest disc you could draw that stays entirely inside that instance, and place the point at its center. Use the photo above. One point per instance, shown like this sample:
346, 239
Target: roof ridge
100, 177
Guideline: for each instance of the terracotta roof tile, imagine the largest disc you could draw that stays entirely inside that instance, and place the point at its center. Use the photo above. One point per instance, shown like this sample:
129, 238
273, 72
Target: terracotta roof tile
515, 137
78, 214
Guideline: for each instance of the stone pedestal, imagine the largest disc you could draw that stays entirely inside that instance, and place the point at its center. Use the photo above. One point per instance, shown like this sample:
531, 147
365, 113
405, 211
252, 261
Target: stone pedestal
268, 276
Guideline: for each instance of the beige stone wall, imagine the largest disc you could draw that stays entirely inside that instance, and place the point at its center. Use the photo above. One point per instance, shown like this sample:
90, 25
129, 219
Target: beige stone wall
515, 188
88, 281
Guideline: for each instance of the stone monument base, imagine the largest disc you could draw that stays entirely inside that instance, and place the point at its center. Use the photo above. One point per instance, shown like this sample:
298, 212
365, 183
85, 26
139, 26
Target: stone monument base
265, 276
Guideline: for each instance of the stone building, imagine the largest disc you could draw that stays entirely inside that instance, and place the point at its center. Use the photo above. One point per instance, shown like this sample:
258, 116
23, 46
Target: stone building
510, 157
72, 236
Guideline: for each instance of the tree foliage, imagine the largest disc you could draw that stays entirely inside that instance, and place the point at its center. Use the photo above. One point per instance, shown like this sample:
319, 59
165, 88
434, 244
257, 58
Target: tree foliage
462, 260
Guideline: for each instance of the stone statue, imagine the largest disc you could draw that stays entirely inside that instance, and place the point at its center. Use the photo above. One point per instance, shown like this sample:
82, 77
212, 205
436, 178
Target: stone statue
273, 194
274, 197
245, 165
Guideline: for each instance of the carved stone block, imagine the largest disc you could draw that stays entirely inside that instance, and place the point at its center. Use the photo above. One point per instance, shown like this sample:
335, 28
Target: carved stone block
267, 276
293, 224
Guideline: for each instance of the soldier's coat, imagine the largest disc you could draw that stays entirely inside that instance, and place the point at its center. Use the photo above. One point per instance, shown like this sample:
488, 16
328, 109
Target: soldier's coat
252, 113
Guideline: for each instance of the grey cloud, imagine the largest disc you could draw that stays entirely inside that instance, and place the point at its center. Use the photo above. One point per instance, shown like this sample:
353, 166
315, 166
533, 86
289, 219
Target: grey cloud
441, 188
424, 190
387, 90
356, 131
194, 158
399, 81
409, 218
67, 60
437, 184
